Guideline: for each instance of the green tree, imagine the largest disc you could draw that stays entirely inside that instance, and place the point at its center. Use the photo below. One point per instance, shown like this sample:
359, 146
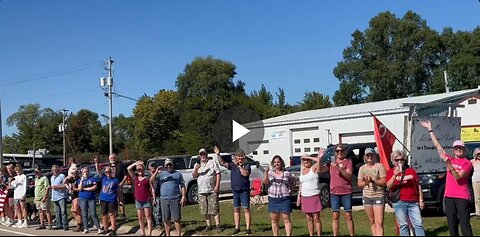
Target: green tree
85, 133
156, 123
315, 100
205, 88
36, 126
393, 58
461, 59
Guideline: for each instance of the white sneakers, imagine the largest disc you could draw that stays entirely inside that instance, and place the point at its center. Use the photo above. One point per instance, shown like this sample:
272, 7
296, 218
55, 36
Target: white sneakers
20, 225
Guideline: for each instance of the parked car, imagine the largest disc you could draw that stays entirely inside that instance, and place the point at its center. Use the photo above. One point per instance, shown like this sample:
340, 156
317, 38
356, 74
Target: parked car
295, 160
354, 152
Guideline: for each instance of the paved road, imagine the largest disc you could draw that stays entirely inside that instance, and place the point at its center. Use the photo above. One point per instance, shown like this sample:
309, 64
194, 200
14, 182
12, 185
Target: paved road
123, 231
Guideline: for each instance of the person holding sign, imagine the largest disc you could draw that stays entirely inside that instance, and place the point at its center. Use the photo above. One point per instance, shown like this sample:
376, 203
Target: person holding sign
457, 194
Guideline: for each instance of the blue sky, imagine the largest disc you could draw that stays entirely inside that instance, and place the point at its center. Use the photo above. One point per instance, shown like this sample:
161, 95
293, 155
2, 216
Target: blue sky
51, 51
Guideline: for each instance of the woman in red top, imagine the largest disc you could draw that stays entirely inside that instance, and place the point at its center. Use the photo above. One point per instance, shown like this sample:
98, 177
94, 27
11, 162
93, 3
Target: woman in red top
411, 197
143, 196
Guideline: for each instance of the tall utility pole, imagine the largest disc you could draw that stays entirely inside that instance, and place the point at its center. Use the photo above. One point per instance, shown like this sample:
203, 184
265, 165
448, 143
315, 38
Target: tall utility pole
61, 128
108, 82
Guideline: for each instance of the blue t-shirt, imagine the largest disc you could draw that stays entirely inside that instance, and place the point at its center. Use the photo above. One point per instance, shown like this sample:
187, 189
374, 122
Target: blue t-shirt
170, 184
87, 183
109, 189
238, 181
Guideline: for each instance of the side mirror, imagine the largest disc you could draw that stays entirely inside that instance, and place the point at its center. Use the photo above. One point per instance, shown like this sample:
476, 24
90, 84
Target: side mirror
257, 163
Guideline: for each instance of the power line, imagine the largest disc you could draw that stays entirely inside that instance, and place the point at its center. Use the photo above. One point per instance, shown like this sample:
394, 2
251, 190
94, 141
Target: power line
49, 75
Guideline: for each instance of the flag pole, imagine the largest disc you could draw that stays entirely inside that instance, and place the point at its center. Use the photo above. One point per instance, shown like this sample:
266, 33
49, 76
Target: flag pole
404, 147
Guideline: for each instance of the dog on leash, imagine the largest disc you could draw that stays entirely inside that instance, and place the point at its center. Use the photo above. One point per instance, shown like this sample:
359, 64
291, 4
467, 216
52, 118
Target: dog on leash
32, 212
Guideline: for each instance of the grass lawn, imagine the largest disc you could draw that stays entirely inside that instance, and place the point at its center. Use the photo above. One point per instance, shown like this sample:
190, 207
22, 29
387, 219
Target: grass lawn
193, 222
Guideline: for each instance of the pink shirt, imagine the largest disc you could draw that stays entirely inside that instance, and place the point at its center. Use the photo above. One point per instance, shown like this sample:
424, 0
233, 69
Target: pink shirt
340, 185
458, 188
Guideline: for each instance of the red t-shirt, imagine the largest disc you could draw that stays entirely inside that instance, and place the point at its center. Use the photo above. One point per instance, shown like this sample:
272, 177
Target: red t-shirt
409, 189
340, 185
142, 190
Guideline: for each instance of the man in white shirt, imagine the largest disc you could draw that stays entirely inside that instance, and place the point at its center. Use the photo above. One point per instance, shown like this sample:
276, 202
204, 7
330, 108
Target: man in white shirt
19, 184
208, 177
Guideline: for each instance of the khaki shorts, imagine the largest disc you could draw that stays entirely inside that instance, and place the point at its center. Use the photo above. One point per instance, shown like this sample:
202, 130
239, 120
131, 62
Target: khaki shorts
209, 203
75, 206
42, 206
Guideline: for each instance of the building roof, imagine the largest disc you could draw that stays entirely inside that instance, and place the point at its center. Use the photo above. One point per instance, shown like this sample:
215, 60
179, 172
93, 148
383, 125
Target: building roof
377, 108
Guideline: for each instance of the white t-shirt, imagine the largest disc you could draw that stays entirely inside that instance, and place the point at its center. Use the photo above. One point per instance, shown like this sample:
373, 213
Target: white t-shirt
207, 176
20, 186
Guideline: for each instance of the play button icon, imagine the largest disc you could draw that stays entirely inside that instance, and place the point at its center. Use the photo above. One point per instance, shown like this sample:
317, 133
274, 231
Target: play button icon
238, 125
238, 131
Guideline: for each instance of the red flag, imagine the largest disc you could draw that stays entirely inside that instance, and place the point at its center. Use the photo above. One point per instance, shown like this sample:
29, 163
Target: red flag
385, 140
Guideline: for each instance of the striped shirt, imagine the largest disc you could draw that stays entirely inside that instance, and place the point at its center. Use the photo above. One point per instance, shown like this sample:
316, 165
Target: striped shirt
279, 184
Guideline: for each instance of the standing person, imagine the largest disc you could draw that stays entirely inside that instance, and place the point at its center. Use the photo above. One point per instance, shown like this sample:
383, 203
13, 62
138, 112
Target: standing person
371, 178
239, 176
457, 193
3, 195
59, 198
407, 209
476, 179
172, 186
72, 165
41, 199
143, 196
279, 182
309, 192
208, 177
341, 190
119, 173
108, 199
86, 196
71, 182
157, 210
19, 184
9, 199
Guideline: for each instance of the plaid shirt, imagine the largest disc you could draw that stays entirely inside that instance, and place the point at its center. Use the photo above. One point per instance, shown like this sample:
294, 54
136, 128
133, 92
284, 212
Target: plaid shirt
279, 187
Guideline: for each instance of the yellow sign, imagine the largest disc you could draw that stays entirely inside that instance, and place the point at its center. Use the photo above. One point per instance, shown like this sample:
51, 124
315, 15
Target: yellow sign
470, 134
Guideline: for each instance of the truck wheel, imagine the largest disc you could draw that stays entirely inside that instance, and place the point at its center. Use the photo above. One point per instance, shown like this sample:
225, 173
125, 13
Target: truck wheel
192, 194
324, 195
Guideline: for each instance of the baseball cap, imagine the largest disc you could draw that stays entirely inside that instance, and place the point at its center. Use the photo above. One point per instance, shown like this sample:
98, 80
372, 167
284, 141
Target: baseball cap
168, 161
203, 150
458, 143
369, 151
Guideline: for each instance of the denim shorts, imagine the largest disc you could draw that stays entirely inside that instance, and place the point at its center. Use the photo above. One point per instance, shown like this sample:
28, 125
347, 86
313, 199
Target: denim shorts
376, 201
344, 200
141, 205
241, 198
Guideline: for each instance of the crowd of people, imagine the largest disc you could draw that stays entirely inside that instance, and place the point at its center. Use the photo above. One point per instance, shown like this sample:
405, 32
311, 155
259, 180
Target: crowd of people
159, 198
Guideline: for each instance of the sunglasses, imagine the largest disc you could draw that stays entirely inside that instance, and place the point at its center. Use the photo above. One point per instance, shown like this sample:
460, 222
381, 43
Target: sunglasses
168, 165
339, 151
458, 148
108, 172
397, 160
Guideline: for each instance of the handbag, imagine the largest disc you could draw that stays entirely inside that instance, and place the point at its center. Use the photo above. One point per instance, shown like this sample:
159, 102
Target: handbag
394, 196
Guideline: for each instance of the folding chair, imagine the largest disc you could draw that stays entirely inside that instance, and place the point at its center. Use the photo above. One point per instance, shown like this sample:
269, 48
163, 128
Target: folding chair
256, 191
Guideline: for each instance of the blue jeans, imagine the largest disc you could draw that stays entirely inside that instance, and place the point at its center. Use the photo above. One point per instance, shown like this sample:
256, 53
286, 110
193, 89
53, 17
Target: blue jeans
157, 212
61, 218
405, 211
89, 210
